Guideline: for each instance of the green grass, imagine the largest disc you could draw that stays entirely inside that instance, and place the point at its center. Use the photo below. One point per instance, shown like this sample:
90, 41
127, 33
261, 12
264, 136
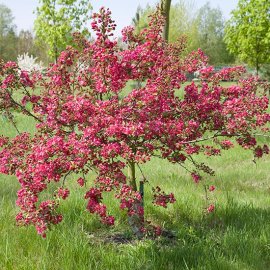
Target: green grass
236, 236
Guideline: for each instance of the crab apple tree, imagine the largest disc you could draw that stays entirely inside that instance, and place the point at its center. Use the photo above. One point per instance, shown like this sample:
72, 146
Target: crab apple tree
84, 122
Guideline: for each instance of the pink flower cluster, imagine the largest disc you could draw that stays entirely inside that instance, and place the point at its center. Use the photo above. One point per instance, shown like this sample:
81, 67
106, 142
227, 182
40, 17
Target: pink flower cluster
95, 206
162, 199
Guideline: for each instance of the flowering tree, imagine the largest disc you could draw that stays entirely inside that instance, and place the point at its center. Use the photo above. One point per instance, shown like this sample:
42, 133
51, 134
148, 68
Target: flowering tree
29, 63
84, 125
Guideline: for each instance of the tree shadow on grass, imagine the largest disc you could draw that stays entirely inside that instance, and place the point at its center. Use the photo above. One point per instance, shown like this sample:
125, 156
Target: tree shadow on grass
235, 237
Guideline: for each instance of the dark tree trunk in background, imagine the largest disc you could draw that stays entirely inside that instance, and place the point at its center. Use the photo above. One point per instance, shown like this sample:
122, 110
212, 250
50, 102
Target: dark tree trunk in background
165, 7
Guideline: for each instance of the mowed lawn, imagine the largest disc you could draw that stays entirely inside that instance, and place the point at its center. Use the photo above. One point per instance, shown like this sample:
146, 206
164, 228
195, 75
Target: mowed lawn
235, 236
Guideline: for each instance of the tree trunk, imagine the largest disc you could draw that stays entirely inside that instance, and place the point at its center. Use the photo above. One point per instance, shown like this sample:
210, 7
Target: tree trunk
165, 8
135, 221
131, 175
257, 67
55, 54
257, 56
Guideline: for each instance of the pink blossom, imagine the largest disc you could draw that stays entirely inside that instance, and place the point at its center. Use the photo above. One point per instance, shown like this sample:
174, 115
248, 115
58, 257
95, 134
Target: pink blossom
196, 177
81, 182
63, 193
210, 208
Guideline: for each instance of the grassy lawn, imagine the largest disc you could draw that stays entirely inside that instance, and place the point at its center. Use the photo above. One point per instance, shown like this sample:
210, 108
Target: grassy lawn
236, 236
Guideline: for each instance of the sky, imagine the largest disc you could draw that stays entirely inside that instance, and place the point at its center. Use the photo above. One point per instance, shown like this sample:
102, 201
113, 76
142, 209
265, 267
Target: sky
122, 10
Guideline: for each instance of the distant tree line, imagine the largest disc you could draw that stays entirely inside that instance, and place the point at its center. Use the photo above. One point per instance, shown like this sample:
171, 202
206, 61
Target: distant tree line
13, 44
55, 22
204, 28
243, 39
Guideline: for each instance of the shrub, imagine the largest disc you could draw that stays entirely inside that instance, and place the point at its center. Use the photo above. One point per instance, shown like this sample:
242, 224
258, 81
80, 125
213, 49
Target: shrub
84, 125
29, 63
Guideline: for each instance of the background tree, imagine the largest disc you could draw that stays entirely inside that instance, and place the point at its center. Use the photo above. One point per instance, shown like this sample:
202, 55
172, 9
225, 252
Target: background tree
57, 19
8, 39
27, 43
204, 28
182, 21
247, 33
209, 35
141, 18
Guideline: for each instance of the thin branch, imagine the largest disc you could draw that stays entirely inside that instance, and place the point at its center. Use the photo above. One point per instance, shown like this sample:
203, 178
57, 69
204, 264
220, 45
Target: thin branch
84, 179
262, 135
26, 91
203, 139
206, 195
185, 168
220, 135
91, 169
144, 178
10, 118
24, 109
64, 180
